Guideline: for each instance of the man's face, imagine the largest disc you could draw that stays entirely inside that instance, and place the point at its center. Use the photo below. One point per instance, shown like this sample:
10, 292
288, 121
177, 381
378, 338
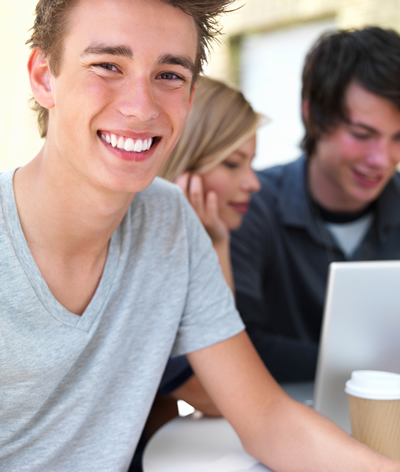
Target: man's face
352, 164
124, 91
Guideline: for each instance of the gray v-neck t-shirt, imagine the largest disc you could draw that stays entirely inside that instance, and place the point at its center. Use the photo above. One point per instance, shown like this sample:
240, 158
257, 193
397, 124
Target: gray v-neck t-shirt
75, 391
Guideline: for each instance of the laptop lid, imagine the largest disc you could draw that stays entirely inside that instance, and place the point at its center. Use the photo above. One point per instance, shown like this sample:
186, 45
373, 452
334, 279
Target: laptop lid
360, 330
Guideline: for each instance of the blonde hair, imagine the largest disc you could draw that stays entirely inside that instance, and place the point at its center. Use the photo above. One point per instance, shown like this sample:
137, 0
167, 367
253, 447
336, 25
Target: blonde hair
220, 121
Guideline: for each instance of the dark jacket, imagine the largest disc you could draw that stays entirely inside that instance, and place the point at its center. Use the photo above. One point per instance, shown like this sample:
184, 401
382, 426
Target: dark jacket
280, 263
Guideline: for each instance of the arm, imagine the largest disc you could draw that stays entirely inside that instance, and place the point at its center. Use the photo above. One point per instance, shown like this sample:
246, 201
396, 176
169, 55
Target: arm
206, 207
179, 383
193, 392
269, 423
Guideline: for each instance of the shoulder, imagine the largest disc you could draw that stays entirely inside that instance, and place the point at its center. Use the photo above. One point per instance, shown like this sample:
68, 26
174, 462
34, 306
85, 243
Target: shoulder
160, 190
159, 209
275, 180
396, 180
277, 175
161, 197
163, 209
390, 195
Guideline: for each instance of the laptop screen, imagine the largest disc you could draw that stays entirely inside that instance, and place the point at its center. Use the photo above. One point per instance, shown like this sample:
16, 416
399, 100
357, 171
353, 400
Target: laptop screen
360, 330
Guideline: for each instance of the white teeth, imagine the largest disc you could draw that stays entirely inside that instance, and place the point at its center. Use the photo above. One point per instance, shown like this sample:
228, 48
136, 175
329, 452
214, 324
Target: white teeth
121, 143
129, 145
138, 146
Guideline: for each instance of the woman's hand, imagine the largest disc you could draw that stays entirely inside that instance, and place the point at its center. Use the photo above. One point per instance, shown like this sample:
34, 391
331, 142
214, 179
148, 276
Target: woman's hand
205, 205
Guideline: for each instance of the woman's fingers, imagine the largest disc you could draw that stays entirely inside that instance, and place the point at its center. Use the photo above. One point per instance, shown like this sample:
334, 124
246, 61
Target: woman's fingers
196, 195
183, 182
192, 187
205, 205
215, 227
211, 206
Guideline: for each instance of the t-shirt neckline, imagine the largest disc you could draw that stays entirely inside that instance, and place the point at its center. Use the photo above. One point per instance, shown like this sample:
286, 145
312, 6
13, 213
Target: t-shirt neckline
39, 285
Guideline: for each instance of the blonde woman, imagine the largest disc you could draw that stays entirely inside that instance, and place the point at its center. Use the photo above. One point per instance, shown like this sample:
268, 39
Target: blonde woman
212, 161
212, 164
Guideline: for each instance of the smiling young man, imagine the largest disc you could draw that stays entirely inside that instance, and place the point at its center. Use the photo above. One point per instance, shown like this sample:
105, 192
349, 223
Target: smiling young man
104, 272
338, 202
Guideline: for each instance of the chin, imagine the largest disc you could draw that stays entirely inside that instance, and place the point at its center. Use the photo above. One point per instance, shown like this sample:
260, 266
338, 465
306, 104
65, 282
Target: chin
235, 224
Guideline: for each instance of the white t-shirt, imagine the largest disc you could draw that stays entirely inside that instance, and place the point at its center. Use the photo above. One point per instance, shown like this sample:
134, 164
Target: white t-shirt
349, 235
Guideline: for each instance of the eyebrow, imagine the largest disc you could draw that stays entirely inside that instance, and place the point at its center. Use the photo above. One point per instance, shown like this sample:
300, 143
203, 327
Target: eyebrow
123, 51
369, 128
183, 61
362, 125
240, 154
126, 51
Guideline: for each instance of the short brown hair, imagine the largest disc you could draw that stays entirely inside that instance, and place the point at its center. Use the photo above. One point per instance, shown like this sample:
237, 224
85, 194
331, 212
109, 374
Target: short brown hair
52, 22
369, 56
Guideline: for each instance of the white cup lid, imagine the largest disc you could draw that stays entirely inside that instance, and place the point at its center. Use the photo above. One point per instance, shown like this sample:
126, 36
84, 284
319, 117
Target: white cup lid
374, 385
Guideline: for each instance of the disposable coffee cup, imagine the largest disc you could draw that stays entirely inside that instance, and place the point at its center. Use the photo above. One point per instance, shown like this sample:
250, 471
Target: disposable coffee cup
374, 401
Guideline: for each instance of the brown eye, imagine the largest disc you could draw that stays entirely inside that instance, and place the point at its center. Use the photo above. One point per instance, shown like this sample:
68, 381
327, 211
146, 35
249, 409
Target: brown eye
107, 66
170, 76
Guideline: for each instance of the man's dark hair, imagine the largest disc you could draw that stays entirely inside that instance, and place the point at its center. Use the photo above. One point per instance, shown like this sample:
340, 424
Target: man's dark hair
52, 23
369, 56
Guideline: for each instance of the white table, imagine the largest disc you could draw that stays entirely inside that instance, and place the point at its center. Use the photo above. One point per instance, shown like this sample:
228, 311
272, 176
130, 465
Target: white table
199, 444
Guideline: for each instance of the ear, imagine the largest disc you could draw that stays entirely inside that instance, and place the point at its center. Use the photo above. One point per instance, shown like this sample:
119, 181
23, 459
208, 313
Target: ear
39, 77
305, 110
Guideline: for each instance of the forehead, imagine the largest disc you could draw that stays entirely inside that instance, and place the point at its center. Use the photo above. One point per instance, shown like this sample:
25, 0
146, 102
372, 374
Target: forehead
247, 149
149, 26
367, 106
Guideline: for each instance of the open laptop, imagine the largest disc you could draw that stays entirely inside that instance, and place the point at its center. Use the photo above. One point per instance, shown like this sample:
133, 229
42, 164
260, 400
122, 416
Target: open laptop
361, 330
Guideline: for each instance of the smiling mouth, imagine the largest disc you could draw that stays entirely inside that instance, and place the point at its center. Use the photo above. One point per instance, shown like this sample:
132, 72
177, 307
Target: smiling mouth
373, 179
241, 207
127, 144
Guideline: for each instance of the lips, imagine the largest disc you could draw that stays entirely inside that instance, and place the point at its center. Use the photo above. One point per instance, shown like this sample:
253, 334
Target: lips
241, 207
366, 179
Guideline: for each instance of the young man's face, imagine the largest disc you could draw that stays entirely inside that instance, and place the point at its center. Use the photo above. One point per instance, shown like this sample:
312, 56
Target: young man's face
353, 163
124, 90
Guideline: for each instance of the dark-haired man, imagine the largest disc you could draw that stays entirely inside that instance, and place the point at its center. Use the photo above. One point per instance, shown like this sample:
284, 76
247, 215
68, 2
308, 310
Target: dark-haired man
338, 202
105, 271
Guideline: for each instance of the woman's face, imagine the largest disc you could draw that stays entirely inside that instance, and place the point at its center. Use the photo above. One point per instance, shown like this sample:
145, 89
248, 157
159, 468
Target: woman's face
234, 181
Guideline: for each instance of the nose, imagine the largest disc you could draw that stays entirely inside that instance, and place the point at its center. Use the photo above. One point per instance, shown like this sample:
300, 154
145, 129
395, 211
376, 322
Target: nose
139, 100
380, 155
250, 182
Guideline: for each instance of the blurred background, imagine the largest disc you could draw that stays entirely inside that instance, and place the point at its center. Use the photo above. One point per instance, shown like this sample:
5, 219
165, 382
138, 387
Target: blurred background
262, 51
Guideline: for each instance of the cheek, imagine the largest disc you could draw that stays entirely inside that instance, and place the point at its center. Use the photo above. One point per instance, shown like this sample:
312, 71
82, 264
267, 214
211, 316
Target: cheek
219, 183
175, 105
351, 148
76, 102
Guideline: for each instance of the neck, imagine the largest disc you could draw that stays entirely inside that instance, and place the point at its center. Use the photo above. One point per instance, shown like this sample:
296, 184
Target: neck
64, 214
326, 193
68, 223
